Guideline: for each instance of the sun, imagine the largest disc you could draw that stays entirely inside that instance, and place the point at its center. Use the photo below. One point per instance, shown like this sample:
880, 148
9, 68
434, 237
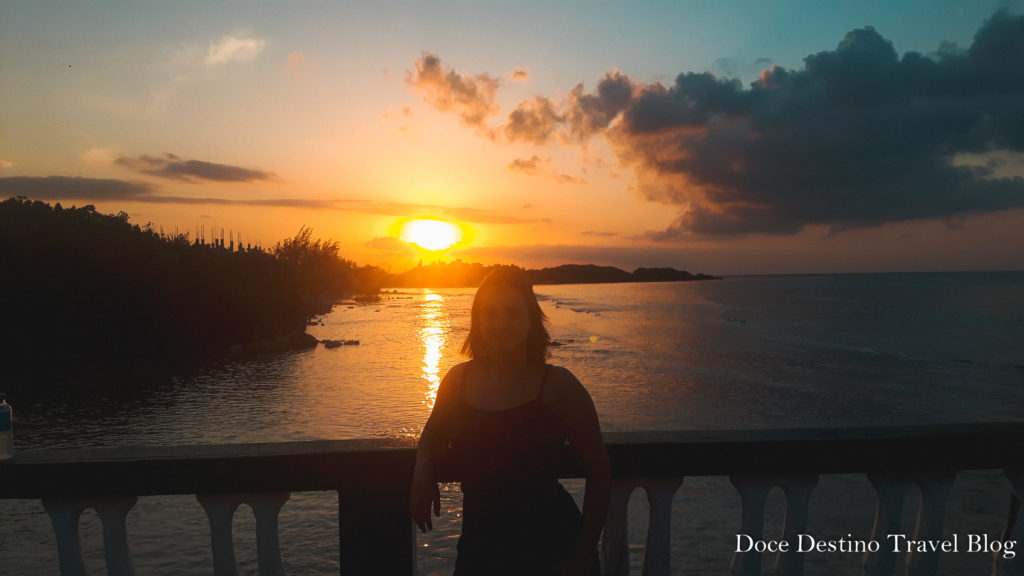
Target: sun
431, 234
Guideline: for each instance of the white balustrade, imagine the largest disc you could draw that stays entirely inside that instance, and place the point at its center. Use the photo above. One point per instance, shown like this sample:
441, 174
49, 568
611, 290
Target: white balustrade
890, 489
1003, 566
266, 507
931, 514
753, 493
65, 515
615, 541
371, 480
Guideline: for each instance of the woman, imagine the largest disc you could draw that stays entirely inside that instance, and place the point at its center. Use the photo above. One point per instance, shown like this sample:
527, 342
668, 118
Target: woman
500, 422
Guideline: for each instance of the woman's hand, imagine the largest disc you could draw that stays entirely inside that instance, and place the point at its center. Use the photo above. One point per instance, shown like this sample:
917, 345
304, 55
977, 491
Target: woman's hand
424, 495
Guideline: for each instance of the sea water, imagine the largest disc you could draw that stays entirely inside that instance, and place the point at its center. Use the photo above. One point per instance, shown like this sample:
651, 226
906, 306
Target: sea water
748, 352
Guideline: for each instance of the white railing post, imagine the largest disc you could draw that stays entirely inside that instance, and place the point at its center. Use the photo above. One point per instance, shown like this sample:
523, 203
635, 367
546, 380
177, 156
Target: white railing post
615, 540
220, 509
753, 492
113, 512
931, 516
658, 550
64, 515
1002, 566
798, 498
890, 490
266, 508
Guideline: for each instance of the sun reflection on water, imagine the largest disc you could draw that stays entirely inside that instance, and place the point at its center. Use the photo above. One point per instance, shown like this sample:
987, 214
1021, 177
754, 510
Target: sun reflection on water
434, 323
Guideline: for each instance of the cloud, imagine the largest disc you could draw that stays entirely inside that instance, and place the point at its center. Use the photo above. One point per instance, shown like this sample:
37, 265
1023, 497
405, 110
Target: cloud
537, 165
172, 167
469, 97
528, 165
297, 62
78, 188
459, 213
6, 164
101, 156
392, 246
858, 137
73, 188
518, 74
592, 113
233, 49
533, 121
540, 255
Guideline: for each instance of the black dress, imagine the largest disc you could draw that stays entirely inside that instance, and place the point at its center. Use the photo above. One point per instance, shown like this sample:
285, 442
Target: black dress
517, 519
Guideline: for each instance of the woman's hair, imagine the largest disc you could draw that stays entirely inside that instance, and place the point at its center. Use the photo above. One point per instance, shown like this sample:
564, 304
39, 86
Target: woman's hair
512, 279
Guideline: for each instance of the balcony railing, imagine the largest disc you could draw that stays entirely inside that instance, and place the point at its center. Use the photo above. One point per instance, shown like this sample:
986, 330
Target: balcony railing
372, 477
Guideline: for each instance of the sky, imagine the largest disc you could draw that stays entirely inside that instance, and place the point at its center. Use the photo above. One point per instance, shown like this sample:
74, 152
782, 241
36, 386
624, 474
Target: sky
719, 137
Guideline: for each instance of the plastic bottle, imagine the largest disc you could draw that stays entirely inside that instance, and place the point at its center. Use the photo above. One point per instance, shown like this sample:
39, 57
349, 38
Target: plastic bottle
6, 429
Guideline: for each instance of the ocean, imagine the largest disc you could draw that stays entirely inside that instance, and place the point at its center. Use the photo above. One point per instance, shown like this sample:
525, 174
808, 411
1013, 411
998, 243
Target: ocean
741, 352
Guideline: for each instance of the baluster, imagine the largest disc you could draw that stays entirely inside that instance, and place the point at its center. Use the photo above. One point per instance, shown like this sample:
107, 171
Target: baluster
658, 549
615, 542
113, 513
798, 498
1014, 529
753, 492
220, 509
930, 517
266, 508
888, 516
64, 515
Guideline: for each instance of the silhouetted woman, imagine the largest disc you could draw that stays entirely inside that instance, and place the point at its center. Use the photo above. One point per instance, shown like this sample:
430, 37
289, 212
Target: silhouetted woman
501, 420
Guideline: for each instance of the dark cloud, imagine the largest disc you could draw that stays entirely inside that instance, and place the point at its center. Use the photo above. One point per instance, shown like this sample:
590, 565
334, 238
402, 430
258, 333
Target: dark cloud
859, 137
533, 121
73, 188
591, 113
471, 98
175, 168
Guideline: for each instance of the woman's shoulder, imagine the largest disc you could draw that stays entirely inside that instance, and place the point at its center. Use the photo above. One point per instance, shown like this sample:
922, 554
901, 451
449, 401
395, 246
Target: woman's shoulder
561, 382
452, 380
455, 374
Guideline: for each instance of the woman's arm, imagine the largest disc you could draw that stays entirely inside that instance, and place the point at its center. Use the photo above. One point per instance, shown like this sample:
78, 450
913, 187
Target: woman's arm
424, 493
576, 408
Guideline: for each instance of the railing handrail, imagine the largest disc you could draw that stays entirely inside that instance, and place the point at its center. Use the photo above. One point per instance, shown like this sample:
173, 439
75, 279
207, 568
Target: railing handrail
360, 463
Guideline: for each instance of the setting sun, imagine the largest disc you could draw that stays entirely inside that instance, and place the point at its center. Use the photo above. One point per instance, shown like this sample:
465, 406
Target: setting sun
431, 234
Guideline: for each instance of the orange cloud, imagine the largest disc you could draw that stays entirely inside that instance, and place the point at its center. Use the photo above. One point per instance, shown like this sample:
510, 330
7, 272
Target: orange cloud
518, 74
528, 165
297, 62
469, 97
